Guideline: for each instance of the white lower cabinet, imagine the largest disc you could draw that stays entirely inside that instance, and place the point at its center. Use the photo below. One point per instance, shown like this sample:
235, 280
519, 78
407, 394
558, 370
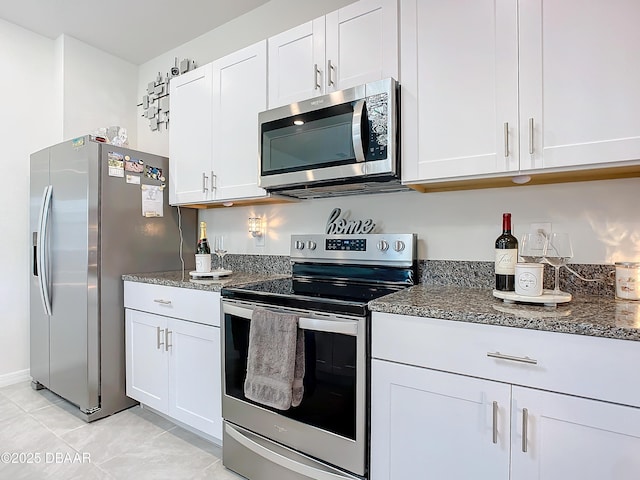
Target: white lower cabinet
172, 364
570, 437
428, 422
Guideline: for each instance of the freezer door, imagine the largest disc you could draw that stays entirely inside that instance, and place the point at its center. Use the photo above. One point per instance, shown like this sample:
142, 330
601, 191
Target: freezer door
73, 243
39, 320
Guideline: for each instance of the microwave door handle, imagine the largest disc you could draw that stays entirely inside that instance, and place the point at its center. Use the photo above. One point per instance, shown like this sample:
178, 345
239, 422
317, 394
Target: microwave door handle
356, 130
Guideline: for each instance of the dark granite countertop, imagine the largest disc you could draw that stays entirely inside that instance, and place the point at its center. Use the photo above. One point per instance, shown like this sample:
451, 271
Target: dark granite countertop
178, 279
598, 316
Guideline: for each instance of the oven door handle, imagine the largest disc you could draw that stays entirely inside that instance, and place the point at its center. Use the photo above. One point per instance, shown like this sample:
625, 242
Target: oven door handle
343, 327
340, 326
291, 465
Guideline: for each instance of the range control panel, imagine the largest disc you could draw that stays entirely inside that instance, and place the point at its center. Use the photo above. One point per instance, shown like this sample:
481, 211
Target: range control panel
372, 248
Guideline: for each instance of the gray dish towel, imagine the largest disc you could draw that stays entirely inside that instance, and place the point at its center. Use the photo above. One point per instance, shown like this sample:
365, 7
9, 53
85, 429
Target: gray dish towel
275, 362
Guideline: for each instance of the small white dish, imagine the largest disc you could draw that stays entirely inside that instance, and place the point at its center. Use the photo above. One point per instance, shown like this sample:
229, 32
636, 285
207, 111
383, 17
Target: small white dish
211, 274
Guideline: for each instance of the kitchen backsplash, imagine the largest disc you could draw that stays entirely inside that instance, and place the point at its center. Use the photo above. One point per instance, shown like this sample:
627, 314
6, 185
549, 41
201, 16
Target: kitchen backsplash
481, 275
271, 264
449, 272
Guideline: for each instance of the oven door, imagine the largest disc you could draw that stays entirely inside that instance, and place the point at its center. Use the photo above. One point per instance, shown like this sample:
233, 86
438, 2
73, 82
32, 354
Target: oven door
336, 137
330, 422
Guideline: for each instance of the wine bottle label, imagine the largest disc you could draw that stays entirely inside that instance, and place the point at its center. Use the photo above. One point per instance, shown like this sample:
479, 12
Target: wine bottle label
506, 260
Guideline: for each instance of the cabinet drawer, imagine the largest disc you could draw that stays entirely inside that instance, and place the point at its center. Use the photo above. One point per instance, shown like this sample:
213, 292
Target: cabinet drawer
591, 367
188, 304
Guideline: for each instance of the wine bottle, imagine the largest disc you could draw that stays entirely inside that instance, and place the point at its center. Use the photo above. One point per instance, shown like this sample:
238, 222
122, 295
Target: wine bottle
506, 257
203, 243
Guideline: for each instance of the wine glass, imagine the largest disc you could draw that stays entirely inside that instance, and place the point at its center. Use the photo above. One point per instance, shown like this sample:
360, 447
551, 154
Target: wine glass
532, 247
220, 250
557, 250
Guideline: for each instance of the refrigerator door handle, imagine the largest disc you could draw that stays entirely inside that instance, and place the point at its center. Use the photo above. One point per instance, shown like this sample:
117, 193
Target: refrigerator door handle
41, 248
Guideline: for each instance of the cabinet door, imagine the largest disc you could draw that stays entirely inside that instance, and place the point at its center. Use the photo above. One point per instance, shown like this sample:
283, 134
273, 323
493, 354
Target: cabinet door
459, 88
572, 437
429, 424
296, 64
361, 43
239, 93
190, 134
579, 77
147, 363
194, 375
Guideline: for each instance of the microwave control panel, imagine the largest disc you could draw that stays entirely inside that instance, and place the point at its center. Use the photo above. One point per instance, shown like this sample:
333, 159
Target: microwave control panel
378, 118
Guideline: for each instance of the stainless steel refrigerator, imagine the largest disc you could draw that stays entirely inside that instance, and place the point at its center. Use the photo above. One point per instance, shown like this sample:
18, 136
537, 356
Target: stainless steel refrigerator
97, 211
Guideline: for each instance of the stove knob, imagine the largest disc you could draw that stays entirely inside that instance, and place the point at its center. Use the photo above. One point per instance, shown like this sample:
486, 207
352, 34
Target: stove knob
299, 245
398, 245
311, 245
383, 245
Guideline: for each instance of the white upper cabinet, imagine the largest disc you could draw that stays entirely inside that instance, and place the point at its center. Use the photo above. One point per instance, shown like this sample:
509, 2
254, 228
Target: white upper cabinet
239, 93
351, 46
213, 135
190, 136
579, 78
296, 63
493, 88
459, 67
361, 44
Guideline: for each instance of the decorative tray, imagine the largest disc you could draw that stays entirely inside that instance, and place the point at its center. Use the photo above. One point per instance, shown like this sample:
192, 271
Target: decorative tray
211, 274
548, 298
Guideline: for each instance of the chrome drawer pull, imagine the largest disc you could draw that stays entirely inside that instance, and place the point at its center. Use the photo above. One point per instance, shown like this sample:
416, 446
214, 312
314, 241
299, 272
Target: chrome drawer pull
502, 356
162, 302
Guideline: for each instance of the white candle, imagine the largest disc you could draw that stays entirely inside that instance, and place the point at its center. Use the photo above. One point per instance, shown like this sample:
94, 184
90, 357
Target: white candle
628, 280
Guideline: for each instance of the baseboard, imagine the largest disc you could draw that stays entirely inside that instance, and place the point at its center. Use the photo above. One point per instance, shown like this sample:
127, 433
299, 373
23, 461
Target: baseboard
14, 377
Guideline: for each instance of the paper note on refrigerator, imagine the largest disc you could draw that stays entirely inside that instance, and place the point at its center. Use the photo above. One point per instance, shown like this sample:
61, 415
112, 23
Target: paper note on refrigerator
152, 200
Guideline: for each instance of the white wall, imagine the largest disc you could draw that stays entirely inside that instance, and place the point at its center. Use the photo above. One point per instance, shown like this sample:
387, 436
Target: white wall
99, 90
600, 216
51, 90
27, 124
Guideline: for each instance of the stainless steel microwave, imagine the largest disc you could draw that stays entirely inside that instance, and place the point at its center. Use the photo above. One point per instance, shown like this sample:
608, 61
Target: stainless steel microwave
342, 143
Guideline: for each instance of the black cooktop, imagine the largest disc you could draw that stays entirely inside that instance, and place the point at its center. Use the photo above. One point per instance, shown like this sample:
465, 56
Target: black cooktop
331, 296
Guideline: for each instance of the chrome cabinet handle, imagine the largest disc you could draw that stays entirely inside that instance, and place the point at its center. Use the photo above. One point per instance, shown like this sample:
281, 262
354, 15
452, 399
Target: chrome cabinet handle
204, 182
166, 340
158, 342
214, 181
316, 77
495, 422
531, 136
506, 139
525, 423
162, 302
330, 70
511, 358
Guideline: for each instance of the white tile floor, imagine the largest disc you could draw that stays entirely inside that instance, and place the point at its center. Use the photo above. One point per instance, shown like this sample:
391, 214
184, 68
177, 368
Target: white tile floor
46, 441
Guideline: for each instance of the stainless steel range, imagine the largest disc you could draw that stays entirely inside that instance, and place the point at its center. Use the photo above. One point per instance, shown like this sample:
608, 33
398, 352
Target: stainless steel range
326, 435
